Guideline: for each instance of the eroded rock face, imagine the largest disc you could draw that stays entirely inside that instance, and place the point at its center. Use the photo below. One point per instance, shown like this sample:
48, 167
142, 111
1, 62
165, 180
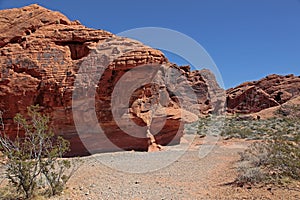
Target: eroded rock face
47, 59
273, 90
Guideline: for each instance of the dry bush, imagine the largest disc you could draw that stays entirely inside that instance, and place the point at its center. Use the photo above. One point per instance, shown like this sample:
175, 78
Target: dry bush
270, 161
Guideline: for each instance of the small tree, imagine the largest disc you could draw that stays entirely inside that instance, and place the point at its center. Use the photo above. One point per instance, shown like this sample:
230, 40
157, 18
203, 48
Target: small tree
35, 155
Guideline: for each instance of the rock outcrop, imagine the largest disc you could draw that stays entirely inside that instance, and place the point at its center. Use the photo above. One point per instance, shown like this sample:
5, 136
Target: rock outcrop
73, 71
289, 109
273, 90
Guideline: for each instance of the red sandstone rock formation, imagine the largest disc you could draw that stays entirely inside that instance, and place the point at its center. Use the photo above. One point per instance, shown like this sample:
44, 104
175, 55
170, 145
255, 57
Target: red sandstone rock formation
273, 90
47, 59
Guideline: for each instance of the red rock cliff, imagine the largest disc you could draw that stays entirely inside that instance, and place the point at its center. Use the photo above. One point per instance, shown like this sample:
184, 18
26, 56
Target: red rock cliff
47, 59
270, 91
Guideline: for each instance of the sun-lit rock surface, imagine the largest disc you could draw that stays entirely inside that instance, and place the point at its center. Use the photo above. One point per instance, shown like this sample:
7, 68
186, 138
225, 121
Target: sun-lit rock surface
273, 90
43, 53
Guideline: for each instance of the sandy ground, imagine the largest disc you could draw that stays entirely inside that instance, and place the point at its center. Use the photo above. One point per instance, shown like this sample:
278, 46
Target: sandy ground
109, 175
174, 173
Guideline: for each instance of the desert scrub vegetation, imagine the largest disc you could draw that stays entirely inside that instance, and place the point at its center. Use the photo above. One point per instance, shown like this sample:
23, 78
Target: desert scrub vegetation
261, 129
245, 128
274, 156
275, 160
208, 125
33, 159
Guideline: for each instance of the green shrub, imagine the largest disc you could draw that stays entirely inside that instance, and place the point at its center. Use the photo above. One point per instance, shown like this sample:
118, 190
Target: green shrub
34, 158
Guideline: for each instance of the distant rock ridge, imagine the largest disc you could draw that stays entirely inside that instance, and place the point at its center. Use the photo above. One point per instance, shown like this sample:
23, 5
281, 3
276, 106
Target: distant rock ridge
41, 54
273, 90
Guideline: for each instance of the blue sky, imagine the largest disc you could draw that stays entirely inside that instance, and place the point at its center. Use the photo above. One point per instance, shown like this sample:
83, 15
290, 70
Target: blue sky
247, 39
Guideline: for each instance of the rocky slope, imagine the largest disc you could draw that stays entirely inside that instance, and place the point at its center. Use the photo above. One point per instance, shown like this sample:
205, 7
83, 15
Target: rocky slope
273, 90
47, 59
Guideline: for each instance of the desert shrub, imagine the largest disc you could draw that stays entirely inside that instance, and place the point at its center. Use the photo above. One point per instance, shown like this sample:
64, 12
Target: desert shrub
34, 158
273, 160
251, 168
284, 158
249, 174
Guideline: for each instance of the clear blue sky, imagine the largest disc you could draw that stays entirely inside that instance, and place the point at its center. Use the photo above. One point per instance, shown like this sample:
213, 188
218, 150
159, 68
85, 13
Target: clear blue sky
247, 39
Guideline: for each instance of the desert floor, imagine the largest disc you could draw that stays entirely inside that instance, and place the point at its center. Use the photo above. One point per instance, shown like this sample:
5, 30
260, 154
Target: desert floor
110, 175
